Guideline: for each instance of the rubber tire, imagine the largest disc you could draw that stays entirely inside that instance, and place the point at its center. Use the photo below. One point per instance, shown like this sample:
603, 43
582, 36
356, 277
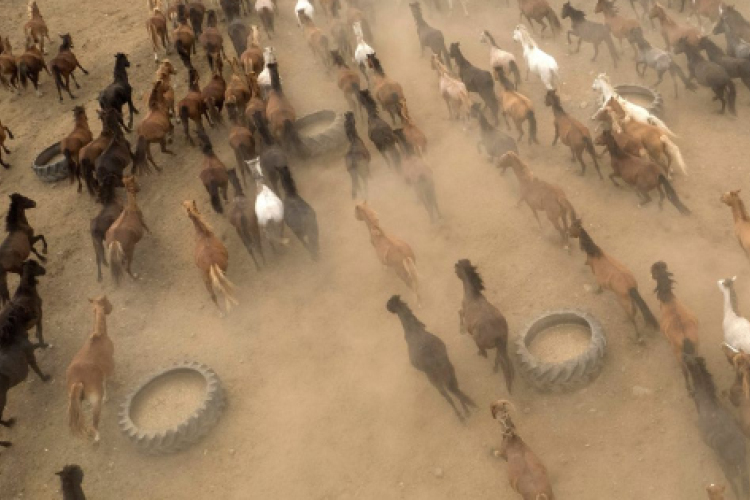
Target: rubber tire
656, 105
187, 433
50, 172
330, 139
571, 374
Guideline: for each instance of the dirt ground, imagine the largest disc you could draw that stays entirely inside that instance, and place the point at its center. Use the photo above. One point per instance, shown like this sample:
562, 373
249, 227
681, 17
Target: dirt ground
323, 401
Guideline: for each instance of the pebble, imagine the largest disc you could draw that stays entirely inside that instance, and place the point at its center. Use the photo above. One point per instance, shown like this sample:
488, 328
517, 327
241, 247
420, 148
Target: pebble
641, 391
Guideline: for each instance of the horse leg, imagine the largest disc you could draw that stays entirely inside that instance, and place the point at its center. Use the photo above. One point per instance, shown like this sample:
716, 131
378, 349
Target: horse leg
520, 130
31, 359
67, 87
579, 156
95, 400
163, 145
39, 330
505, 117
578, 46
645, 198
4, 386
661, 196
73, 76
4, 293
44, 250
441, 389
720, 96
100, 257
533, 211
596, 50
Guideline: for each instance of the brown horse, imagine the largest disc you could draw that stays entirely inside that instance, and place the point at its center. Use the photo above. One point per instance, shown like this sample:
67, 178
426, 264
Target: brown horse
739, 393
164, 75
193, 107
72, 144
213, 43
155, 127
386, 90
184, 37
391, 251
213, 174
281, 116
89, 371
156, 27
413, 135
540, 195
256, 102
5, 134
611, 275
238, 88
63, 66
348, 82
483, 321
213, 95
741, 219
110, 212
90, 152
715, 491
124, 233
35, 28
19, 243
30, 64
241, 214
539, 10
211, 258
241, 140
671, 30
8, 66
316, 39
252, 57
620, 26
518, 106
572, 133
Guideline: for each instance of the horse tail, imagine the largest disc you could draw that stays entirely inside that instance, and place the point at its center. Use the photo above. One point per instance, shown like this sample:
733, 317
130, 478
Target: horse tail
213, 191
502, 358
58, 77
411, 269
294, 140
674, 152
71, 164
140, 161
516, 73
731, 96
638, 301
653, 120
116, 257
183, 52
532, 125
75, 415
221, 285
672, 195
23, 73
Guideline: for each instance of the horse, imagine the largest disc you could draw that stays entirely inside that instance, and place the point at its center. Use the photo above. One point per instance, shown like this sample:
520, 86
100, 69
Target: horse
348, 82
588, 31
30, 65
500, 59
741, 219
16, 355
539, 10
476, 80
661, 61
158, 32
299, 215
8, 66
110, 212
281, 116
718, 428
71, 478
494, 142
736, 30
90, 152
710, 9
362, 50
316, 40
272, 155
391, 251
540, 195
213, 174
193, 107
571, 132
304, 7
63, 66
642, 173
19, 243
238, 33
26, 299
115, 158
342, 34
413, 135
213, 95
125, 233
483, 321
241, 140
268, 208
72, 143
429, 36
119, 92
35, 28
3, 131
518, 106
184, 37
211, 259
266, 10
357, 157
671, 30
418, 174
454, 92
739, 392
252, 57
164, 74
380, 133
537, 61
386, 90
88, 372
213, 43
241, 215
709, 74
620, 26
611, 275
736, 67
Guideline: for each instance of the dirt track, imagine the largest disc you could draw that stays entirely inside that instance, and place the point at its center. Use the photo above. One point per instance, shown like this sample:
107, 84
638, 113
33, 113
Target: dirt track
323, 401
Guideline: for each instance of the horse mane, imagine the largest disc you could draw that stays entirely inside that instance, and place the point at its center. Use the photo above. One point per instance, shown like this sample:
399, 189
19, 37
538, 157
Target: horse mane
397, 306
472, 276
587, 243
287, 181
489, 37
664, 282
376, 67
368, 102
337, 59
575, 14
696, 365
260, 124
273, 68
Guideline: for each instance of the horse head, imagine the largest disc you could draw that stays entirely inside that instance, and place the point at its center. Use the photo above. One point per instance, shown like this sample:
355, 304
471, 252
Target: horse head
20, 201
102, 303
131, 184
122, 60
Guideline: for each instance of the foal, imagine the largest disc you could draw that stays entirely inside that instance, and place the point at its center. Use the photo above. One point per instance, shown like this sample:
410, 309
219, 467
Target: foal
63, 66
125, 233
87, 374
483, 321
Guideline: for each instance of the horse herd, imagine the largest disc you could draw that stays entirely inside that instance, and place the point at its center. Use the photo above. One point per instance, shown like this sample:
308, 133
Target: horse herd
266, 143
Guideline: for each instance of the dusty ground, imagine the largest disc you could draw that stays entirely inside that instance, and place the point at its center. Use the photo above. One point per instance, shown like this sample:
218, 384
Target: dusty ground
323, 401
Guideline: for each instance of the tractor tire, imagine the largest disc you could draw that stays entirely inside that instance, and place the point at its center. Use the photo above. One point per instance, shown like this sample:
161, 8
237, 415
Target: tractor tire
51, 172
188, 432
568, 375
330, 139
656, 101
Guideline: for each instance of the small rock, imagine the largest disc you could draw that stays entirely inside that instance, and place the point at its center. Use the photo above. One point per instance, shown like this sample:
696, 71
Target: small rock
438, 472
639, 391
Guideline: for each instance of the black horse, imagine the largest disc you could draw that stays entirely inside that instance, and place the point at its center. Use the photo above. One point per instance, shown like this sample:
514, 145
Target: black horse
737, 67
709, 74
272, 156
238, 33
119, 92
588, 31
299, 215
71, 478
494, 142
115, 158
476, 80
26, 299
357, 158
429, 36
380, 133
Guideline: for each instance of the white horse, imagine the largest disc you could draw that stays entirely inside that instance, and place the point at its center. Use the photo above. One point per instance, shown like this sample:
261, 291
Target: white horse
537, 61
363, 49
306, 7
264, 77
268, 207
736, 328
638, 113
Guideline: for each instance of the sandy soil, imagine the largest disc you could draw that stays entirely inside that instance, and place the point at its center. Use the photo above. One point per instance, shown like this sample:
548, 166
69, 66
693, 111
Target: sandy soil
323, 401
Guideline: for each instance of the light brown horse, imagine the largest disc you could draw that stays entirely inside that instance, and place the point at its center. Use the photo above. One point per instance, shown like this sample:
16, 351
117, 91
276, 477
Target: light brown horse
671, 30
125, 233
72, 144
238, 88
211, 258
63, 66
252, 58
539, 10
710, 9
483, 321
155, 127
213, 96
35, 28
739, 392
5, 134
156, 27
256, 102
454, 92
611, 275
620, 26
386, 90
87, 374
391, 251
193, 107
184, 37
413, 135
540, 195
741, 219
572, 133
715, 491
281, 115
518, 106
164, 75
8, 66
348, 81
30, 64
316, 39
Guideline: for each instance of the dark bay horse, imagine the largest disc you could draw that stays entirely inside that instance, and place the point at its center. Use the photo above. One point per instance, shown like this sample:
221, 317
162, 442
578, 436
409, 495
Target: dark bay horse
119, 92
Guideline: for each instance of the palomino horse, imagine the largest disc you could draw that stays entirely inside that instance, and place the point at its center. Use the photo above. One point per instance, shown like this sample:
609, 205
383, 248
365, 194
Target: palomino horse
19, 243
391, 251
483, 321
89, 371
211, 258
124, 233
